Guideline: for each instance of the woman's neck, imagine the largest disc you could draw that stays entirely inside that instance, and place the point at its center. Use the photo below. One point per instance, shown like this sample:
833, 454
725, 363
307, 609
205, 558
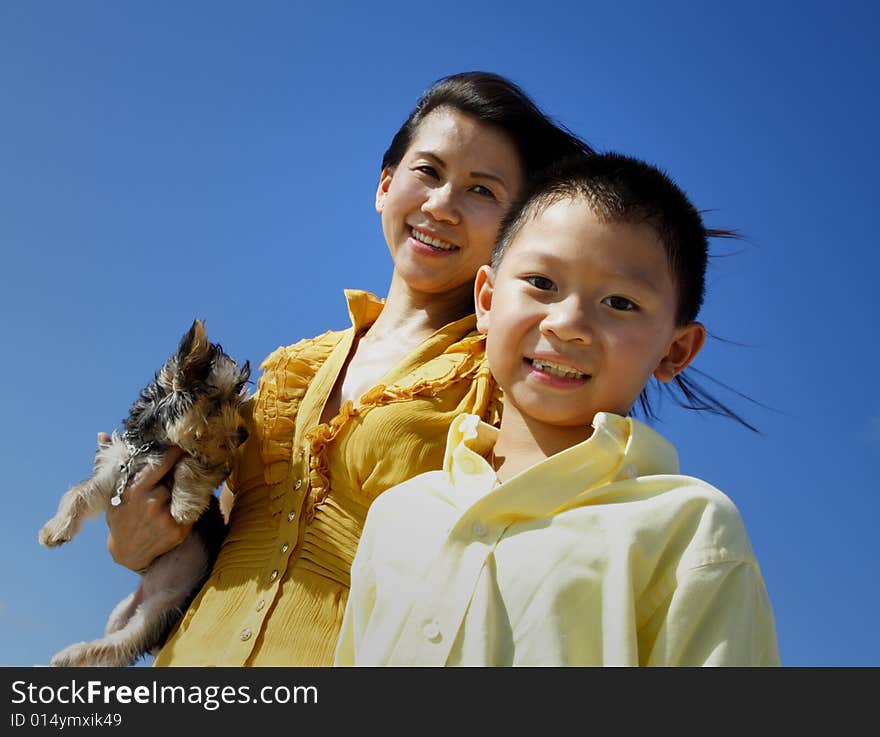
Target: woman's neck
404, 322
411, 316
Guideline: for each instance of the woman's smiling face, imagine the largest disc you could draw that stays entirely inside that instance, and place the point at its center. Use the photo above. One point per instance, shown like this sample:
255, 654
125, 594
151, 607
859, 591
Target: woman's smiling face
442, 204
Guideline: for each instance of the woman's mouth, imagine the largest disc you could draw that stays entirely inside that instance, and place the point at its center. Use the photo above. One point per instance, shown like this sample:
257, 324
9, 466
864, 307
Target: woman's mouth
431, 241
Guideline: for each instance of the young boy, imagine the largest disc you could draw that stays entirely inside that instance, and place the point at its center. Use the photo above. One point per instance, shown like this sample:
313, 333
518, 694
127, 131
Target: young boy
567, 536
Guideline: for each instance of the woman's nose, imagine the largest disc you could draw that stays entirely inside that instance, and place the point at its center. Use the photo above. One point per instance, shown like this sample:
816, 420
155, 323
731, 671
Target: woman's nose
441, 204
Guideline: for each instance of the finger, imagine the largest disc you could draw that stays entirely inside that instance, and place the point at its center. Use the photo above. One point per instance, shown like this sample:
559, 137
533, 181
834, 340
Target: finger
149, 476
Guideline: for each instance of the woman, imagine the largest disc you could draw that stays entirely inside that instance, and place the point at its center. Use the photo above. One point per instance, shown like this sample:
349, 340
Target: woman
338, 419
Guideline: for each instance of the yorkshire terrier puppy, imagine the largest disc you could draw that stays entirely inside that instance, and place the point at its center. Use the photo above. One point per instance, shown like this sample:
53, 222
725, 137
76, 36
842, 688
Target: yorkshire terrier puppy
194, 403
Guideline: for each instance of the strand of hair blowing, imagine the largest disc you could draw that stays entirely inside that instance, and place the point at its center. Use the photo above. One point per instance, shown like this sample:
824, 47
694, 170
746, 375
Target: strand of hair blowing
495, 100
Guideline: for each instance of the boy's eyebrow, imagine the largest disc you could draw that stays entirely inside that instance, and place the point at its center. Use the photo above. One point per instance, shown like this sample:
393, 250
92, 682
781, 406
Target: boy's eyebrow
640, 276
475, 174
643, 277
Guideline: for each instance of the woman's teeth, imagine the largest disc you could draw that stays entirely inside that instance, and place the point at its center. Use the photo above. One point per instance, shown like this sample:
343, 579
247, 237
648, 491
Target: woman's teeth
557, 369
425, 238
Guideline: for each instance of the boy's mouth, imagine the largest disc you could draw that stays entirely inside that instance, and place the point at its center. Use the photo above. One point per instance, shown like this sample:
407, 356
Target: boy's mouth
428, 240
556, 369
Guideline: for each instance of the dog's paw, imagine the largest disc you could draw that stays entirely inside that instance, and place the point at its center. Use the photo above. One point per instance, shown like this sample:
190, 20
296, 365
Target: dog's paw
184, 510
73, 656
90, 654
55, 533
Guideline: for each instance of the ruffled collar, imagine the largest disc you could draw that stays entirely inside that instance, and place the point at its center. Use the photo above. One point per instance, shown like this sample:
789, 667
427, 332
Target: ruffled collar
298, 380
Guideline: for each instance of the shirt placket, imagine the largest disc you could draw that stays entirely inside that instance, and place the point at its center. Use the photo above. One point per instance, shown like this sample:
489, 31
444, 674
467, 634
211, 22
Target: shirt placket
272, 573
292, 524
435, 620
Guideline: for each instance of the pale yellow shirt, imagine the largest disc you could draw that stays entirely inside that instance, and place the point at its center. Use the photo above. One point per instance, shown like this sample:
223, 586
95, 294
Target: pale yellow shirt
599, 555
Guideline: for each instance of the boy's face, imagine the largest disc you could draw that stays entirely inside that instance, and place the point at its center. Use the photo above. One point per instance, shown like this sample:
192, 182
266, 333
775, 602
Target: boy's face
579, 316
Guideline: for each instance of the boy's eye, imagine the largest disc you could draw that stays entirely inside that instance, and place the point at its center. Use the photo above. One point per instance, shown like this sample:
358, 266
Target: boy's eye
541, 282
620, 303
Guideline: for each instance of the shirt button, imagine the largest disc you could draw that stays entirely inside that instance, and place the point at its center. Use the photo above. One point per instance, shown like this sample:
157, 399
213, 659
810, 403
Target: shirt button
630, 471
245, 634
285, 547
273, 575
260, 604
468, 465
291, 516
298, 485
431, 631
480, 529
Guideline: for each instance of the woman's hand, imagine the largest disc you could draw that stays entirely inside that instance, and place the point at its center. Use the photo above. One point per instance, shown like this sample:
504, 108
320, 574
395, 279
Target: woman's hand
141, 528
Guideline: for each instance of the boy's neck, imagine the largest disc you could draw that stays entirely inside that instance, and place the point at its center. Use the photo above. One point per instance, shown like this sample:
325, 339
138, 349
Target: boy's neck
523, 442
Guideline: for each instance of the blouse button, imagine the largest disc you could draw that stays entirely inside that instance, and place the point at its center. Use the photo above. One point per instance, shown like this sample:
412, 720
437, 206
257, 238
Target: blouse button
291, 516
285, 547
245, 634
630, 471
431, 631
480, 529
260, 604
298, 485
273, 575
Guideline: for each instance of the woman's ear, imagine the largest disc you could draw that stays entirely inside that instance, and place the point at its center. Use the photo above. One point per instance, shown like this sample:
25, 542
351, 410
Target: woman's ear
484, 285
382, 189
684, 348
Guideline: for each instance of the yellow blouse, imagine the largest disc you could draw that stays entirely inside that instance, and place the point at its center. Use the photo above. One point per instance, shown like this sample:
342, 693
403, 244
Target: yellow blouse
278, 589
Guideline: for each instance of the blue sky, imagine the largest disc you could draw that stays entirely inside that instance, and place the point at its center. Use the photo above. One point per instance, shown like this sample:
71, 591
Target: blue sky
162, 161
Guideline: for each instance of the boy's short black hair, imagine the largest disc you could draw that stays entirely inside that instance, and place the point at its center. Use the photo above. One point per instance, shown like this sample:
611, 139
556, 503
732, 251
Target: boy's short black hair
623, 189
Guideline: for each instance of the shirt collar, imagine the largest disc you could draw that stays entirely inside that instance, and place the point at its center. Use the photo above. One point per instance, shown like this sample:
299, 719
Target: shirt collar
620, 448
363, 308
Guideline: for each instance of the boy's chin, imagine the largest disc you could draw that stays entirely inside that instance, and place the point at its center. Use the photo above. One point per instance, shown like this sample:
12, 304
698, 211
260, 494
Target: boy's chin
562, 421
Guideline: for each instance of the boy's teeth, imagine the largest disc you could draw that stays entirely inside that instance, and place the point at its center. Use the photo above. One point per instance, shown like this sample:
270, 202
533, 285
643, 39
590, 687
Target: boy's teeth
425, 238
557, 369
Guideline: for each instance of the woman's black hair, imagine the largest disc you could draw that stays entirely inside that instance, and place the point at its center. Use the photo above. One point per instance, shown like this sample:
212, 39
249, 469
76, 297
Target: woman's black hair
624, 189
496, 100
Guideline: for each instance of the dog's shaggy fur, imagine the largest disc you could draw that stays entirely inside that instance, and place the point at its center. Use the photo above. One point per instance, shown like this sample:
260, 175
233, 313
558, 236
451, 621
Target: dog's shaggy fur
194, 403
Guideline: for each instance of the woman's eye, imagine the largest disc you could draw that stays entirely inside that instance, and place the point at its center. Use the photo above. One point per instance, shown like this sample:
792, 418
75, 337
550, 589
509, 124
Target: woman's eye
620, 303
541, 282
429, 170
484, 191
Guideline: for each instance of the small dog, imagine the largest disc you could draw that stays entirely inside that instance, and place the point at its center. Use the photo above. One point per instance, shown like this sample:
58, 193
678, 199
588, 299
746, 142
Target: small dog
194, 403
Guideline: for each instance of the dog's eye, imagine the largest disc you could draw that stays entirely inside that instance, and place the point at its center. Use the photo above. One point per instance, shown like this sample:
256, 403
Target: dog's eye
242, 435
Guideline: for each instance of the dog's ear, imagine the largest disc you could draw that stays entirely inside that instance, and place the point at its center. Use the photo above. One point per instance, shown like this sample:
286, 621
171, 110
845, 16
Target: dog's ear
243, 375
194, 355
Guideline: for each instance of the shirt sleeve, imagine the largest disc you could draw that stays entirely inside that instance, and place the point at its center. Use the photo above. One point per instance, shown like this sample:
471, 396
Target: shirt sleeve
718, 614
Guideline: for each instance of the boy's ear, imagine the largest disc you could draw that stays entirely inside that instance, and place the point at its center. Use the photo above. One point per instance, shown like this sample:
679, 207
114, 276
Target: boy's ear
484, 285
382, 189
684, 348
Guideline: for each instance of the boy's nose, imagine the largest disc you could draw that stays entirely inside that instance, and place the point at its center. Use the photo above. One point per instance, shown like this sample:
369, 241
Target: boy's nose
441, 204
569, 320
